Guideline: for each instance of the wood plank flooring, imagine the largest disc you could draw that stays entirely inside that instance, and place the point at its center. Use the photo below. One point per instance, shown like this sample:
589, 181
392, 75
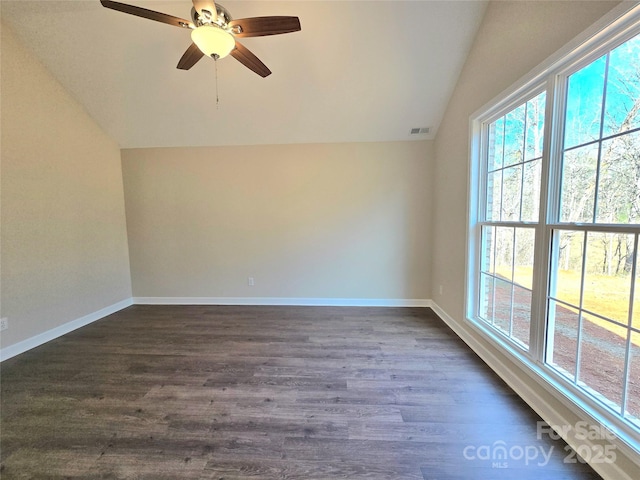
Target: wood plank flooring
204, 392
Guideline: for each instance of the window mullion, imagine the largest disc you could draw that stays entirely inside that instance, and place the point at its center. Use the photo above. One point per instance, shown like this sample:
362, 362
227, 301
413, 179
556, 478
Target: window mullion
513, 277
524, 156
627, 355
580, 310
600, 133
547, 208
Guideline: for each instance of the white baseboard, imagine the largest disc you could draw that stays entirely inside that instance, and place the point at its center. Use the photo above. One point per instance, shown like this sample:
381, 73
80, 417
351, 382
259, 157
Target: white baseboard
294, 301
37, 340
535, 398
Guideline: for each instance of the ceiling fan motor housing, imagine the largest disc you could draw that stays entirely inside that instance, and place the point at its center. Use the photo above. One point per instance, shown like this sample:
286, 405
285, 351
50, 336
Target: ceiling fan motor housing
222, 19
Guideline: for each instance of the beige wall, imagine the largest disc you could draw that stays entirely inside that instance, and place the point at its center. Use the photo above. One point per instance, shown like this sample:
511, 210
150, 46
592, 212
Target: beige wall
63, 242
306, 221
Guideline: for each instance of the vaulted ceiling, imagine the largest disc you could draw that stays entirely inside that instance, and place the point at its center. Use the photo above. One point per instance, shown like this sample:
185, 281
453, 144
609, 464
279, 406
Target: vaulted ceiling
359, 71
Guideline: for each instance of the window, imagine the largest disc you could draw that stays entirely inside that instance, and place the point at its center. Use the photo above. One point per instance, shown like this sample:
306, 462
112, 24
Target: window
593, 334
512, 181
555, 223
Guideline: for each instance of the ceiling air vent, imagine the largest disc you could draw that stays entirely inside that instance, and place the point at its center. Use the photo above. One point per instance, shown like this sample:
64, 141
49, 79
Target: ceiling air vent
420, 130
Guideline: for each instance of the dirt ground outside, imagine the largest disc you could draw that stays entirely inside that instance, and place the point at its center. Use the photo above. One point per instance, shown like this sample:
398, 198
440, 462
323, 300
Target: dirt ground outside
602, 352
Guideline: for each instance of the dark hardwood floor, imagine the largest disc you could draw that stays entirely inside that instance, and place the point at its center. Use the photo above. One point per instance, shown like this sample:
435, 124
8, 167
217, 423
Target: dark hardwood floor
202, 392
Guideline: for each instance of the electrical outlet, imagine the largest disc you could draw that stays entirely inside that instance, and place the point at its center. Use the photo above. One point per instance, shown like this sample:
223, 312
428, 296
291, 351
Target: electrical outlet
4, 323
440, 289
251, 281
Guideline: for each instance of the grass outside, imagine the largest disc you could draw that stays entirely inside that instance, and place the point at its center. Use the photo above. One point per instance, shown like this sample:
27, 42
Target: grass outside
603, 294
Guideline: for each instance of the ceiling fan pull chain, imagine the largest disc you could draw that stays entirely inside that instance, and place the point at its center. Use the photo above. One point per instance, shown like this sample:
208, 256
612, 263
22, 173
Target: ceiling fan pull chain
215, 60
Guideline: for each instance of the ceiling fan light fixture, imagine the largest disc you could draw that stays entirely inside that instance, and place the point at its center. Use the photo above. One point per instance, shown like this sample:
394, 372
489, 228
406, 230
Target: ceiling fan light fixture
213, 41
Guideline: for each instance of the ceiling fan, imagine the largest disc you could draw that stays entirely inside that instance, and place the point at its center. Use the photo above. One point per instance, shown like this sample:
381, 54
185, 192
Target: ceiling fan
214, 32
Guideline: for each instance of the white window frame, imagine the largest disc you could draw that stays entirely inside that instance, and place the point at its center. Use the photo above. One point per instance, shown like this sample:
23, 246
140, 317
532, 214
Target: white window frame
620, 25
492, 115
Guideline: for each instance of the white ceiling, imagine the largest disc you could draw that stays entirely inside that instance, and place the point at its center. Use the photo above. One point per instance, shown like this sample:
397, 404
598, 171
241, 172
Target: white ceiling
359, 71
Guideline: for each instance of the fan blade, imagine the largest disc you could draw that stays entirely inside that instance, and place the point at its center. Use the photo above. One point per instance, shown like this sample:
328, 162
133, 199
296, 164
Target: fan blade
206, 8
144, 13
262, 26
190, 57
249, 60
